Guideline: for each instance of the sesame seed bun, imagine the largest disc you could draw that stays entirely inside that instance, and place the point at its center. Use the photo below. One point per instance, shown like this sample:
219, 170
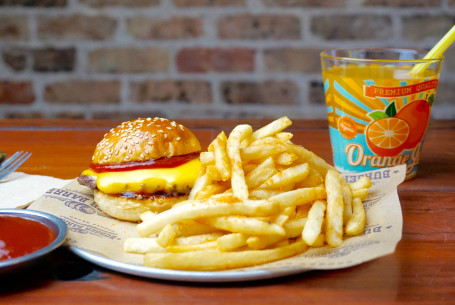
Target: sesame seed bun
145, 139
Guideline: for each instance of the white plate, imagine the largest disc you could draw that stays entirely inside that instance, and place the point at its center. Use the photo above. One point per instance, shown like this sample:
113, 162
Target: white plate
185, 276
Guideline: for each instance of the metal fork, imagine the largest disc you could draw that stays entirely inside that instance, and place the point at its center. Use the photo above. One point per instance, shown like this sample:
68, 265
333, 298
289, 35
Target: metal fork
13, 163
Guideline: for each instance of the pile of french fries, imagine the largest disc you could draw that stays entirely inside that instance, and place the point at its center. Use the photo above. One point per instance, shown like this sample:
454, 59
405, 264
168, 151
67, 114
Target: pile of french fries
258, 198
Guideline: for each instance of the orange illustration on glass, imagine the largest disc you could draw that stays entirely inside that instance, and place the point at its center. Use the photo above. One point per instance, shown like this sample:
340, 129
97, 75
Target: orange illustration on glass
377, 112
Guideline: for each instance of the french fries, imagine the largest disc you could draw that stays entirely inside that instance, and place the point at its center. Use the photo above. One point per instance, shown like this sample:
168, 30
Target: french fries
258, 198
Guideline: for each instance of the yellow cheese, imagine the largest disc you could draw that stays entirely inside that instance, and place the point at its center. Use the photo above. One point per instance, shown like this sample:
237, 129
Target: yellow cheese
177, 179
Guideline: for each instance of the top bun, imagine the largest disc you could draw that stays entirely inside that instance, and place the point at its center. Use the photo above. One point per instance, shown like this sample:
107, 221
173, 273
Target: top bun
145, 139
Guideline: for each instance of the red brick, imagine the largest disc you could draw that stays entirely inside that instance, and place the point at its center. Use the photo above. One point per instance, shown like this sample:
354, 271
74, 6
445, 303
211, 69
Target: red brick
264, 93
127, 115
188, 91
54, 60
316, 95
128, 60
421, 27
14, 58
16, 93
24, 115
83, 92
203, 60
305, 3
174, 28
122, 3
352, 27
402, 3
69, 115
187, 3
34, 3
293, 60
77, 27
259, 27
14, 27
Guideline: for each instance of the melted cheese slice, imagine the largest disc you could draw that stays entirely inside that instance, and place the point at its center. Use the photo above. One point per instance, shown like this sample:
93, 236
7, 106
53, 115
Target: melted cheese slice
177, 179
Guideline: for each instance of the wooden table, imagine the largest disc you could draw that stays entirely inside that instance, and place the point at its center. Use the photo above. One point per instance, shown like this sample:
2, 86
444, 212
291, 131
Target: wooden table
421, 271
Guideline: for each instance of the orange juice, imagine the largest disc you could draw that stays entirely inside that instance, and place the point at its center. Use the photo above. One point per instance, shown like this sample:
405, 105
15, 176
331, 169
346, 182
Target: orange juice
377, 112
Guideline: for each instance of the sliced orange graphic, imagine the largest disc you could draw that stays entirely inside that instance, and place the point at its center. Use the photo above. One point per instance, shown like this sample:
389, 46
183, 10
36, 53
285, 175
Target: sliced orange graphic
347, 127
387, 136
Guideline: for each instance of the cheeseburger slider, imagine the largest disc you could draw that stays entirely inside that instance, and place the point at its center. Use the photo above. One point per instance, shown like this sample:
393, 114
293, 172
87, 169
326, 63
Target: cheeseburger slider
143, 165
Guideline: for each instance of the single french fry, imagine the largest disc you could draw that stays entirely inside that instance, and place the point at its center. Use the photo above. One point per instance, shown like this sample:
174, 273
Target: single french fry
263, 241
261, 173
263, 193
285, 158
212, 173
347, 201
210, 190
231, 241
207, 157
361, 183
299, 196
238, 134
198, 239
211, 245
262, 149
284, 136
147, 215
356, 224
245, 225
294, 227
192, 227
288, 176
142, 245
319, 242
217, 260
313, 225
360, 193
334, 224
200, 183
166, 236
221, 157
272, 128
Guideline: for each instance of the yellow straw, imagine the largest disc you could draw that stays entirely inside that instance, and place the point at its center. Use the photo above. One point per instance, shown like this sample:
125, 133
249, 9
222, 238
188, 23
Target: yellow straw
436, 52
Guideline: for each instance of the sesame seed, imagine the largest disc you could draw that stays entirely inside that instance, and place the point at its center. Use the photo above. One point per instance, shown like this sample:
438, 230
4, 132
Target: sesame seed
179, 138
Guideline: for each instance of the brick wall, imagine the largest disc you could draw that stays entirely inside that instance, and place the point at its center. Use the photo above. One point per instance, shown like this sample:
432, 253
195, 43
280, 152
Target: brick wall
120, 59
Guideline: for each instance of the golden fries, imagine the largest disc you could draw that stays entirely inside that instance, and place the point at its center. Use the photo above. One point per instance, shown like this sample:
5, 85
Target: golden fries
211, 260
258, 198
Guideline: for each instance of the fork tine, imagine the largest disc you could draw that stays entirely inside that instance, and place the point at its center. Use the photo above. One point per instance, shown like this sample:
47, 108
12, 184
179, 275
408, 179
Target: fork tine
11, 159
12, 166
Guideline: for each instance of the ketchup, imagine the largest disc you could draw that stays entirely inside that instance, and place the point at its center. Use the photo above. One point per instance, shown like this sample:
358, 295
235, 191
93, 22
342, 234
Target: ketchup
166, 162
20, 236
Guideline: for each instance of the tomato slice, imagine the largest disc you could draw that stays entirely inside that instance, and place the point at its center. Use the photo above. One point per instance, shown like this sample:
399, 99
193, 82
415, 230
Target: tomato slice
166, 162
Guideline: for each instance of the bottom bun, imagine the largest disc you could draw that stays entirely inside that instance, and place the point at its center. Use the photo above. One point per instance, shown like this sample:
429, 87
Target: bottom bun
130, 209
